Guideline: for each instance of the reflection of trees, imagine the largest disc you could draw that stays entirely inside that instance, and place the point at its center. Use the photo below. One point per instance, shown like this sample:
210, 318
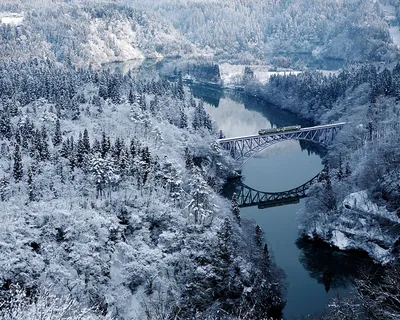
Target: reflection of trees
312, 148
210, 95
331, 267
275, 115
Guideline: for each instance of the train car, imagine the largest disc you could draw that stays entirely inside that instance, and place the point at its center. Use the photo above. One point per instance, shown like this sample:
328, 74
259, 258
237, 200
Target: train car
278, 130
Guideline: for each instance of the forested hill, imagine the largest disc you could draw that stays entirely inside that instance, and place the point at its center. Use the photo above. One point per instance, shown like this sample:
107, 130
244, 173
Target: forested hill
95, 32
108, 201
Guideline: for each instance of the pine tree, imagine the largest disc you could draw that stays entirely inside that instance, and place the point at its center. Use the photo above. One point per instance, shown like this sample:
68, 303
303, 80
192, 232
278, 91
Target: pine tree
117, 149
80, 152
225, 242
131, 96
31, 190
266, 258
105, 145
4, 188
259, 236
183, 119
18, 172
348, 169
145, 163
179, 88
57, 138
142, 102
188, 159
5, 125
86, 141
235, 208
132, 148
199, 205
154, 105
96, 148
340, 169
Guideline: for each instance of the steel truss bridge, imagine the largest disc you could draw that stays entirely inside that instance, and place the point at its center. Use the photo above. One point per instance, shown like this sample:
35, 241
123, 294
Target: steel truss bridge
249, 197
243, 148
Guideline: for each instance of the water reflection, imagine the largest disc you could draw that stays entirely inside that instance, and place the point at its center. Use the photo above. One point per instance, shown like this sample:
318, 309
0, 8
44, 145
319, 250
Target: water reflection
208, 94
333, 268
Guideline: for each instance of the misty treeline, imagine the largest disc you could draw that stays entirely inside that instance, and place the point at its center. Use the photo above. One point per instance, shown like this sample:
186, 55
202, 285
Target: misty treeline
356, 204
109, 203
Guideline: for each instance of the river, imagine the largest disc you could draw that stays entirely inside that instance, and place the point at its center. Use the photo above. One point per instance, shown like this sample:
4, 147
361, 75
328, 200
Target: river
313, 272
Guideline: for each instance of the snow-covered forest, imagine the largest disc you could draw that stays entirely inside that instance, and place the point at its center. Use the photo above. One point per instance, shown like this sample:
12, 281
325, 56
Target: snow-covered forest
110, 204
109, 196
95, 32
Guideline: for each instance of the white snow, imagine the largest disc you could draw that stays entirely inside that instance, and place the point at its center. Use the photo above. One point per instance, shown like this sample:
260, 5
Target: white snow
389, 12
232, 75
339, 240
359, 200
395, 34
14, 19
122, 37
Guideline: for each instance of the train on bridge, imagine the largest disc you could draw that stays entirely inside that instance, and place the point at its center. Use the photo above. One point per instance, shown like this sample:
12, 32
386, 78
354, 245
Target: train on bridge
278, 130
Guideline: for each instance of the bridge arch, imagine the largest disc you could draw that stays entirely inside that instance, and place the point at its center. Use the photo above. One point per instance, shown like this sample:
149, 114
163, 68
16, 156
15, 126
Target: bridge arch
248, 197
253, 153
243, 148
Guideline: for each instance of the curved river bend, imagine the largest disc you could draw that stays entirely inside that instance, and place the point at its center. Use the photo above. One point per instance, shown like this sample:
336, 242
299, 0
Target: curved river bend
314, 274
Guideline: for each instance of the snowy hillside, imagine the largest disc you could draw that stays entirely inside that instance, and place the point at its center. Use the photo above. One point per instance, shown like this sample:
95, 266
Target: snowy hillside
109, 196
268, 32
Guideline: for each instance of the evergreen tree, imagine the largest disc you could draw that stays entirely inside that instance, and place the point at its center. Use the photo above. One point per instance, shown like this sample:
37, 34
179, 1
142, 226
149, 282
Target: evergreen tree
188, 159
340, 169
266, 261
131, 96
105, 145
117, 149
180, 93
18, 137
235, 208
225, 244
96, 148
259, 236
348, 169
4, 188
86, 141
57, 138
31, 190
80, 152
132, 148
18, 172
183, 119
154, 105
5, 125
145, 164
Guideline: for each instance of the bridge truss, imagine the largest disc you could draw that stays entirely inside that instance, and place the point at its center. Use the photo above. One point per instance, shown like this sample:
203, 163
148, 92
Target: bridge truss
248, 197
243, 148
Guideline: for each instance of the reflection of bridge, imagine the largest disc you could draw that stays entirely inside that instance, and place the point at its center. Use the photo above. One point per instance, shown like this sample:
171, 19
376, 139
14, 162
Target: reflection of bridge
248, 197
243, 148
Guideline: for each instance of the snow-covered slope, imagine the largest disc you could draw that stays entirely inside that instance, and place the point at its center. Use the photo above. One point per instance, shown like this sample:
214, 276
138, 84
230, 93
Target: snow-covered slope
95, 32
